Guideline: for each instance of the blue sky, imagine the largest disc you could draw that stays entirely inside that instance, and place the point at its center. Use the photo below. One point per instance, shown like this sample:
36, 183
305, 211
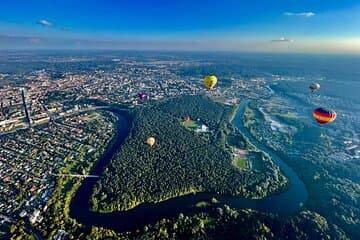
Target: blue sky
262, 25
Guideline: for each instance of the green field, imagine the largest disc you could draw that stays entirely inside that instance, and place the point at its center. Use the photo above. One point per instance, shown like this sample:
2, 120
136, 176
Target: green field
202, 204
190, 124
290, 116
241, 163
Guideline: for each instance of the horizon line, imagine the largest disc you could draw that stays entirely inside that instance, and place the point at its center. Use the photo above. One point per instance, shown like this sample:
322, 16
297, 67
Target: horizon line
179, 51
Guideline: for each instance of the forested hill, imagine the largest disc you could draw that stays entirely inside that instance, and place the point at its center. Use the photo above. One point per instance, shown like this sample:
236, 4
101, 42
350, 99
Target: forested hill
181, 161
227, 223
211, 113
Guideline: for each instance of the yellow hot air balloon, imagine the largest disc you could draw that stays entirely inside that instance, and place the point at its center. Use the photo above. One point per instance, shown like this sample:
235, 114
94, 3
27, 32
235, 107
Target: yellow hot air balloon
150, 141
210, 81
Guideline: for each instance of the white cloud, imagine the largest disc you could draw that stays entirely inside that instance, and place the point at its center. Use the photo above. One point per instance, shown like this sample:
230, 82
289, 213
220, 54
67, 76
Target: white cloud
300, 14
45, 23
282, 40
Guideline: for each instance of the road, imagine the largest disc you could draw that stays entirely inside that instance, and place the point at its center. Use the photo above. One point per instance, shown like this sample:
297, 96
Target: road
75, 175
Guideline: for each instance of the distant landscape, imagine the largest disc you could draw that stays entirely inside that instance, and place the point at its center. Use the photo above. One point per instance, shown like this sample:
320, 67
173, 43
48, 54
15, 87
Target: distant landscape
224, 170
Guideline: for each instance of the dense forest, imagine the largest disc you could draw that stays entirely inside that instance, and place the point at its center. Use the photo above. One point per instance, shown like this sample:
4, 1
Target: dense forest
181, 161
227, 223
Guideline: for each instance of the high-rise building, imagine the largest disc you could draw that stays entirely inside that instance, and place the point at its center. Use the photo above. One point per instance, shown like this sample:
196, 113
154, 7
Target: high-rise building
27, 115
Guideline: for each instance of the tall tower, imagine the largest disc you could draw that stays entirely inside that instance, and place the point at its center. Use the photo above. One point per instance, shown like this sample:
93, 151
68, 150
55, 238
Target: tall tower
27, 115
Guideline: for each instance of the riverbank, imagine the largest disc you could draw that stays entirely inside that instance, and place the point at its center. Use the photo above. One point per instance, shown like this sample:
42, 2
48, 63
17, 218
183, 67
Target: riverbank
234, 112
146, 213
57, 215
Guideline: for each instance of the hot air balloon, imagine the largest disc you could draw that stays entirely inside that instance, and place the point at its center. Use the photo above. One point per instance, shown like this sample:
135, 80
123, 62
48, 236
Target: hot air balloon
314, 87
210, 82
142, 96
323, 115
150, 141
187, 118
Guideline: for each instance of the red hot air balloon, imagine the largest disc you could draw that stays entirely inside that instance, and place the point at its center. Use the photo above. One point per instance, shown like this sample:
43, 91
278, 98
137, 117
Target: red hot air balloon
323, 115
187, 118
142, 96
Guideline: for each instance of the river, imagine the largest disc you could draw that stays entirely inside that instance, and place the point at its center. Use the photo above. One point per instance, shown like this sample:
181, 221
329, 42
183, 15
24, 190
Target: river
284, 203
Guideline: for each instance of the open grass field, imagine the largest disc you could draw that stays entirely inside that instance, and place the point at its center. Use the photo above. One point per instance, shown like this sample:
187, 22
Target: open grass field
190, 124
290, 116
202, 204
241, 163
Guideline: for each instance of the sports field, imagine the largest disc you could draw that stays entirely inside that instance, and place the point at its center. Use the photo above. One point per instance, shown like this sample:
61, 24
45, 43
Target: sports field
190, 124
241, 163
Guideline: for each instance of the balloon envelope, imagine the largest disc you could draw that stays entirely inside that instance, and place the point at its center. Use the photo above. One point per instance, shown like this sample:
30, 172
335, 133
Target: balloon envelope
323, 115
142, 96
210, 82
314, 87
150, 141
187, 118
